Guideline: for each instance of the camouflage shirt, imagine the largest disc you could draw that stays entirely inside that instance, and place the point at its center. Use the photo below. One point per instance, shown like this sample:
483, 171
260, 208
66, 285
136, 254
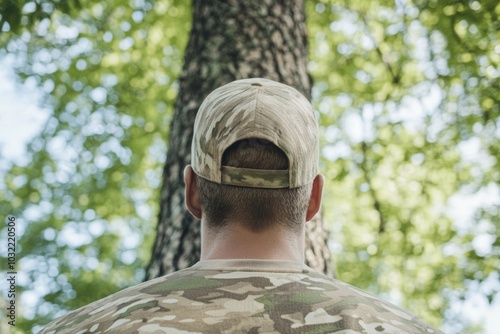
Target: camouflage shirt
241, 296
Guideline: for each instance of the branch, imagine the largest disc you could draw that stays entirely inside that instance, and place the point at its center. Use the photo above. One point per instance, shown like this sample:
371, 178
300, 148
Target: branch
376, 202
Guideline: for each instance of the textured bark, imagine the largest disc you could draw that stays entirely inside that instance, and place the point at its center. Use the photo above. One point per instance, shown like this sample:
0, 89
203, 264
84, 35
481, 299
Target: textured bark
229, 40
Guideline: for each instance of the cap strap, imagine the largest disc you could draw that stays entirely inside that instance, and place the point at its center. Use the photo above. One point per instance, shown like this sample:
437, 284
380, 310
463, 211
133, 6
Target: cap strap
255, 178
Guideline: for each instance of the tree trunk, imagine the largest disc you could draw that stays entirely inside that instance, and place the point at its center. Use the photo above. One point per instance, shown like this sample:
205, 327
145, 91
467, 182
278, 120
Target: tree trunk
229, 40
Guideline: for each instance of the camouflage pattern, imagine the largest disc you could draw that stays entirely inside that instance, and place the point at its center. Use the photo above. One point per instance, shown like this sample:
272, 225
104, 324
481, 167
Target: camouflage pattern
255, 178
256, 108
241, 296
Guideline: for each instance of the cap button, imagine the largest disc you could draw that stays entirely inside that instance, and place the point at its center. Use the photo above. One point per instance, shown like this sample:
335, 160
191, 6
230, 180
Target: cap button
256, 84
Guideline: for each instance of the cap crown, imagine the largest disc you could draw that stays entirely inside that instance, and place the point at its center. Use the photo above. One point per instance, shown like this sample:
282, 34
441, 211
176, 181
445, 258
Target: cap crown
256, 108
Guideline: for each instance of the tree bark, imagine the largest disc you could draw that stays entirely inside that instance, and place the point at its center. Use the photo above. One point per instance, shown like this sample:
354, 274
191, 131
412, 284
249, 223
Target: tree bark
229, 40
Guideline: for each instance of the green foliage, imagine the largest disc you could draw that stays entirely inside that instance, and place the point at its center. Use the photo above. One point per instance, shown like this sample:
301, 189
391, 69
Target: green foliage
404, 90
407, 94
16, 14
86, 197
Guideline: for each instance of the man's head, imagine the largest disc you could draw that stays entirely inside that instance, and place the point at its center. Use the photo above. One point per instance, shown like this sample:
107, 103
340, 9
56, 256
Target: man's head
254, 157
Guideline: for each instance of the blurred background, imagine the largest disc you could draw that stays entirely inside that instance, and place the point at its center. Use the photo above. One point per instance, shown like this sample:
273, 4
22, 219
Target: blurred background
407, 93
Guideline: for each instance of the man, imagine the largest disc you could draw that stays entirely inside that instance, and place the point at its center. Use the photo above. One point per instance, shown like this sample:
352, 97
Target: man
254, 184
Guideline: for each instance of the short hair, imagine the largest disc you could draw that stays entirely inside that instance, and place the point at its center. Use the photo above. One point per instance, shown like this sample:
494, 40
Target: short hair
257, 209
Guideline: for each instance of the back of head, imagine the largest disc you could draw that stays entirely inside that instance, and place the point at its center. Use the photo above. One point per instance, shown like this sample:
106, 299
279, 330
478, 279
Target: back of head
257, 209
255, 150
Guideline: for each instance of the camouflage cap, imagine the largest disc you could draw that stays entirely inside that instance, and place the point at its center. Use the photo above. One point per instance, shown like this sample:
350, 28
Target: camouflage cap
256, 108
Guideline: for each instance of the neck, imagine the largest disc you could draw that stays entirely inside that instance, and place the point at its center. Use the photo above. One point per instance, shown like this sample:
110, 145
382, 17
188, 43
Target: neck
236, 242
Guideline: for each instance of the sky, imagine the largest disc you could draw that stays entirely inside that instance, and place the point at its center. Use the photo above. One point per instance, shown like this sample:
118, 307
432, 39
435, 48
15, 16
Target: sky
22, 118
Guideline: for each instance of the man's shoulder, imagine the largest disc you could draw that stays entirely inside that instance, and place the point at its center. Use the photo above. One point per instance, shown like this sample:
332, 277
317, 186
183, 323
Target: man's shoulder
107, 310
218, 300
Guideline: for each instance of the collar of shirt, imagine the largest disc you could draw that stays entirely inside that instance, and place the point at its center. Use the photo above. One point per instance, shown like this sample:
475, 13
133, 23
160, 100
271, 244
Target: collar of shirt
253, 265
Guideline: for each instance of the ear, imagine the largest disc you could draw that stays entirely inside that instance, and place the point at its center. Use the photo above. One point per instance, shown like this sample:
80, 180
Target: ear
192, 196
316, 196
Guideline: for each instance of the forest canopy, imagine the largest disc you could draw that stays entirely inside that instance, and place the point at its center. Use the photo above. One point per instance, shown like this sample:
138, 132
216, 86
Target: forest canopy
407, 94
